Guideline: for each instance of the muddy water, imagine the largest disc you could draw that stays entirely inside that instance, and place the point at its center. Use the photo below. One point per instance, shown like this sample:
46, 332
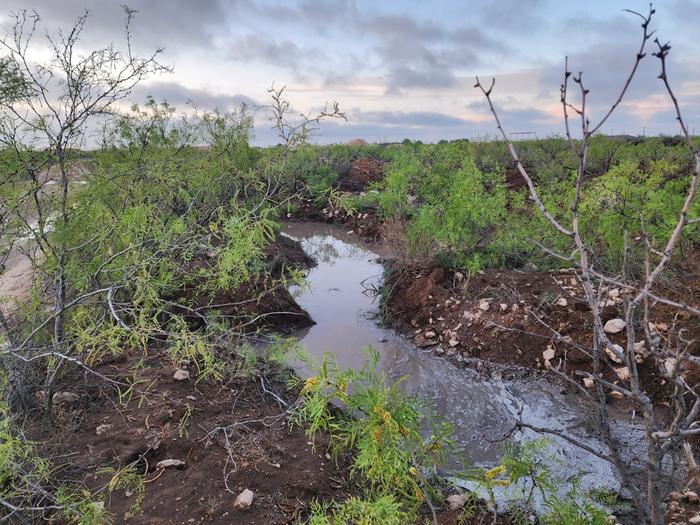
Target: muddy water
482, 408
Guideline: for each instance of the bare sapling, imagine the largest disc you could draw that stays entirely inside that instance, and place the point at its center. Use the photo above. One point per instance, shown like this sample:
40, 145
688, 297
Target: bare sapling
668, 349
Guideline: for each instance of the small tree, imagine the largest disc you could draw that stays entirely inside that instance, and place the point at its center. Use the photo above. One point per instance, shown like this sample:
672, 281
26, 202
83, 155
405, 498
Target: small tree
46, 111
666, 438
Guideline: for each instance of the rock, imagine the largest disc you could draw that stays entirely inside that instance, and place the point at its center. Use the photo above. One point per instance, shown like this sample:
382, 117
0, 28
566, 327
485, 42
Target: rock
102, 429
484, 305
695, 519
453, 342
562, 302
170, 463
614, 293
670, 365
661, 327
459, 277
504, 307
675, 496
614, 326
623, 373
64, 398
691, 496
244, 500
613, 356
588, 382
457, 501
615, 394
422, 342
430, 334
181, 375
514, 308
547, 356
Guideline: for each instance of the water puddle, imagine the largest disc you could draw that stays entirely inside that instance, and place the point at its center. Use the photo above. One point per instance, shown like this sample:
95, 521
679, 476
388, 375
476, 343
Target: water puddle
483, 410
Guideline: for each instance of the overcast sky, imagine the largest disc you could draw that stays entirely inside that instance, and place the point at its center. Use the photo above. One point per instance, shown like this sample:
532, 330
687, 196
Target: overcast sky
403, 69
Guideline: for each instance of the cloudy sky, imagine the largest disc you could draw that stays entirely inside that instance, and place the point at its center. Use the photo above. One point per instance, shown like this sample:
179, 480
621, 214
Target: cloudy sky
403, 69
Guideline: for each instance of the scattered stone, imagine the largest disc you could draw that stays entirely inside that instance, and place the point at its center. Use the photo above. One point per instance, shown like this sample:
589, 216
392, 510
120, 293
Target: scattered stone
547, 356
170, 463
658, 327
457, 501
64, 398
588, 382
614, 293
430, 334
181, 375
102, 429
504, 307
244, 500
484, 305
691, 496
423, 342
623, 373
459, 277
695, 519
562, 302
675, 496
616, 394
613, 356
614, 326
514, 308
453, 342
670, 365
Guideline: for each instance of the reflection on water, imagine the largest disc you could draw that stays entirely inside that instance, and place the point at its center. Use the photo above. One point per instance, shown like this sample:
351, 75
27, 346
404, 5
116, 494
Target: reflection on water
482, 410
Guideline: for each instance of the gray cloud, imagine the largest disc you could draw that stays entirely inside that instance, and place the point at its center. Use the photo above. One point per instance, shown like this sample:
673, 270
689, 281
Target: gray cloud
167, 23
179, 96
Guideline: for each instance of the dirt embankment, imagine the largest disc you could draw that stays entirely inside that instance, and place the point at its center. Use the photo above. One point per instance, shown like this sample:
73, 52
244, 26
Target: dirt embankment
511, 317
354, 177
229, 436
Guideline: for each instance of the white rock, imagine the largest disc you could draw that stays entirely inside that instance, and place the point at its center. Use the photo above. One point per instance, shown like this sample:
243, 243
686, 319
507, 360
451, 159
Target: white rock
614, 326
457, 501
504, 307
429, 334
244, 500
514, 308
616, 394
695, 519
623, 373
64, 398
547, 356
181, 375
588, 382
453, 342
615, 292
670, 365
691, 496
102, 429
484, 306
459, 277
613, 356
562, 302
170, 463
658, 327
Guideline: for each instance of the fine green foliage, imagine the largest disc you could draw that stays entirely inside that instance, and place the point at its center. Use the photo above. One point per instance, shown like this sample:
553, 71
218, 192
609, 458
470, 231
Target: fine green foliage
526, 472
384, 510
381, 427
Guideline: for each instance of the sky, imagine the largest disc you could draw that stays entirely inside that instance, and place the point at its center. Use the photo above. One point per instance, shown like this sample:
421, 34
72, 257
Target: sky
403, 69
